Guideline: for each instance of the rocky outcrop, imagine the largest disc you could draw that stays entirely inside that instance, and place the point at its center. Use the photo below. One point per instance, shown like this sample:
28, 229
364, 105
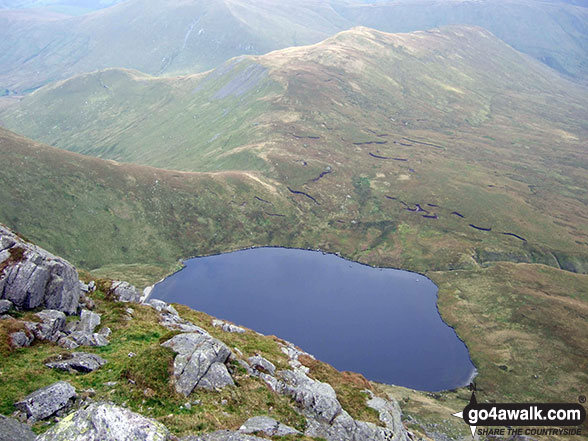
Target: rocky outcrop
162, 306
125, 292
260, 364
223, 435
20, 339
325, 416
5, 306
88, 321
78, 361
31, 277
228, 327
48, 401
106, 422
267, 425
390, 414
13, 430
199, 363
52, 323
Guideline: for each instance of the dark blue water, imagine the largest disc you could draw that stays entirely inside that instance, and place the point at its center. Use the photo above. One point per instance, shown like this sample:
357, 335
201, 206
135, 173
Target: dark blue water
380, 322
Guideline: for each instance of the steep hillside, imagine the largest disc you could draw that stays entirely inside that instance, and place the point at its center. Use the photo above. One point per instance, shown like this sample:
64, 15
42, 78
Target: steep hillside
525, 324
154, 36
554, 33
188, 36
364, 126
136, 219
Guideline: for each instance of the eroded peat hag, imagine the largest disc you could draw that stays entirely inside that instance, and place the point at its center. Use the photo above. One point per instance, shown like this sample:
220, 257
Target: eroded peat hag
380, 322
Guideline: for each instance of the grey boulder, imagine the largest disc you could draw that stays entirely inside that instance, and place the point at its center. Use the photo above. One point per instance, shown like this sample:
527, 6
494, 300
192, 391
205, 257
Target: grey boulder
5, 306
175, 323
259, 363
79, 361
20, 339
223, 435
197, 353
267, 425
82, 338
13, 430
52, 322
106, 422
161, 306
33, 277
125, 292
228, 327
47, 401
217, 377
88, 321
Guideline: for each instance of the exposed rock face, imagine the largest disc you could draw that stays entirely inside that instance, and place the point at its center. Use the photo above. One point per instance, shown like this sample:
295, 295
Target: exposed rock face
52, 322
223, 435
20, 339
390, 414
47, 401
106, 422
267, 425
227, 327
79, 361
197, 353
82, 338
217, 377
12, 430
160, 306
175, 323
125, 292
261, 364
88, 321
319, 404
31, 277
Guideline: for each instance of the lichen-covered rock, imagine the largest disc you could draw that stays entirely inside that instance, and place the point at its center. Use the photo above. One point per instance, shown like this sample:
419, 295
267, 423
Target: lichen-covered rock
196, 354
106, 422
217, 377
88, 321
223, 435
12, 430
88, 339
267, 425
161, 306
32, 277
5, 306
79, 361
52, 322
125, 292
20, 339
175, 323
390, 414
261, 364
47, 401
227, 327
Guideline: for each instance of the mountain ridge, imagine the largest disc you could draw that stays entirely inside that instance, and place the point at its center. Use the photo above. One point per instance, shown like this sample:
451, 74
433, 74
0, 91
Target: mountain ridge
186, 37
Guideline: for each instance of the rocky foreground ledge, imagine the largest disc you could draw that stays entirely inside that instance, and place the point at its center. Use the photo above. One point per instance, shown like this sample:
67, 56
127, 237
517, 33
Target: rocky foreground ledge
47, 309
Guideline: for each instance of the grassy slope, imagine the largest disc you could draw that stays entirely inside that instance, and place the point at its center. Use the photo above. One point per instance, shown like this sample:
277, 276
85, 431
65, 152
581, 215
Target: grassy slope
516, 169
157, 37
509, 130
101, 213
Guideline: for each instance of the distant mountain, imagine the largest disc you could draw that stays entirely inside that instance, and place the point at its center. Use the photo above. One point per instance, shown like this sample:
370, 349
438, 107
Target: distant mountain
70, 7
171, 37
554, 33
365, 125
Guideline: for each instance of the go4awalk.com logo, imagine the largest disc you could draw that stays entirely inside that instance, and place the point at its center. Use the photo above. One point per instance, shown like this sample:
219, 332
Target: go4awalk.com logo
563, 419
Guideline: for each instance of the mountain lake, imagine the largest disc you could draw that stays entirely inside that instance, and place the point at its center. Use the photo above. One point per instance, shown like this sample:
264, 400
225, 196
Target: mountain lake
380, 322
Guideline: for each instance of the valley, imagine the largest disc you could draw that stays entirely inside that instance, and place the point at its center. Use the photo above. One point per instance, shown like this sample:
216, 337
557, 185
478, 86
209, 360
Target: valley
444, 151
